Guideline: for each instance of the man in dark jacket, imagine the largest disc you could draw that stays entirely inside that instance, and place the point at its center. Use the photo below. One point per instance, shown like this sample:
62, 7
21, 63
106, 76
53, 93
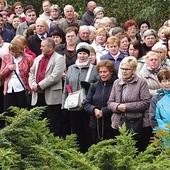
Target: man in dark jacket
88, 16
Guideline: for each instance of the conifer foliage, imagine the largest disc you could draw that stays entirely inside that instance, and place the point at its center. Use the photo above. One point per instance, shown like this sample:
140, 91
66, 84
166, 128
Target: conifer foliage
27, 144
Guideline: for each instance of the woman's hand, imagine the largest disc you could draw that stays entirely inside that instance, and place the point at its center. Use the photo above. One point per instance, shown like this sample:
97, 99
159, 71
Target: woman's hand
12, 67
121, 107
98, 113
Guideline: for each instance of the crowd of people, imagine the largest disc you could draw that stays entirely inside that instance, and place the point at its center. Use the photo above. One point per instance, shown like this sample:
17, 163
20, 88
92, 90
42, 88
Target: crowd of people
128, 70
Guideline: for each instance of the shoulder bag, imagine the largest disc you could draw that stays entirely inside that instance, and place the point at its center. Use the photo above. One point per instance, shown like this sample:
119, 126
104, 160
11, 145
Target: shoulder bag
75, 100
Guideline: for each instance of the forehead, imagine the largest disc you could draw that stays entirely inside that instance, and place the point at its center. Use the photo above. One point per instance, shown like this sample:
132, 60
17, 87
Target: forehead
46, 3
150, 37
70, 33
43, 23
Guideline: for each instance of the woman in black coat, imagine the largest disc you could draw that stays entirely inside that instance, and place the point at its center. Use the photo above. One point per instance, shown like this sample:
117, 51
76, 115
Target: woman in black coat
96, 102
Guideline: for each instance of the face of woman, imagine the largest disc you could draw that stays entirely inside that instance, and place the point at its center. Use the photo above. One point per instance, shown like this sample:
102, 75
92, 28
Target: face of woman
57, 39
104, 73
143, 27
165, 84
92, 58
124, 43
82, 57
154, 62
162, 35
101, 38
131, 31
133, 52
162, 54
127, 71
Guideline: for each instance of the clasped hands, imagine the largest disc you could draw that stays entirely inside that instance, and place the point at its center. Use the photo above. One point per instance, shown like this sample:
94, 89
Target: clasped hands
98, 113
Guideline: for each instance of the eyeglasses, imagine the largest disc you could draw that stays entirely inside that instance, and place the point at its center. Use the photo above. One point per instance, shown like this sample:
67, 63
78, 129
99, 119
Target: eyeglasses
126, 69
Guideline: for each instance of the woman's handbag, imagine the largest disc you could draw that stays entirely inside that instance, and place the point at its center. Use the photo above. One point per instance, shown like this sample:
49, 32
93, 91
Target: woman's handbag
75, 100
134, 125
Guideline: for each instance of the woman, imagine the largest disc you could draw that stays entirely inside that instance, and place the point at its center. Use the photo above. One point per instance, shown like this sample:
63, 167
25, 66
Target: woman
19, 62
75, 78
162, 51
129, 96
159, 107
99, 44
134, 49
96, 102
150, 69
23, 40
130, 28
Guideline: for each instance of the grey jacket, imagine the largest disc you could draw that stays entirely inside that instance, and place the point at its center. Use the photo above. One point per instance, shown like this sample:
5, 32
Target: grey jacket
75, 75
135, 96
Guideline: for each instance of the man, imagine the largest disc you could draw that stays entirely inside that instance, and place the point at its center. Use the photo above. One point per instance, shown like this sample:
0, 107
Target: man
6, 33
45, 80
34, 42
149, 39
84, 34
31, 17
88, 16
46, 5
69, 18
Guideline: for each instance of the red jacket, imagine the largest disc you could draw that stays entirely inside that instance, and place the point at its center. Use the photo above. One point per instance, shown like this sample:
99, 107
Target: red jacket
24, 68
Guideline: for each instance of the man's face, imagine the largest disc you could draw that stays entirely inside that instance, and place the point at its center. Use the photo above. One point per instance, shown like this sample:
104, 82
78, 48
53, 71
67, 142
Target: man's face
41, 27
69, 13
46, 7
150, 41
31, 17
84, 34
45, 48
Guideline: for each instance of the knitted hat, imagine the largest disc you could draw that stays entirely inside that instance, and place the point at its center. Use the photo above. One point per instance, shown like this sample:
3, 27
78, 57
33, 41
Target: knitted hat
83, 47
97, 10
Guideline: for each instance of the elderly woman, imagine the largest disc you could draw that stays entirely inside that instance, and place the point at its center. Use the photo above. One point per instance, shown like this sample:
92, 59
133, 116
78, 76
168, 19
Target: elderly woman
75, 79
159, 107
162, 51
150, 69
130, 27
96, 102
129, 97
13, 64
99, 44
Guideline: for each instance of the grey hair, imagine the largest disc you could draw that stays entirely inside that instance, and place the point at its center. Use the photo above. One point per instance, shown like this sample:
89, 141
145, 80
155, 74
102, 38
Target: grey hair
70, 6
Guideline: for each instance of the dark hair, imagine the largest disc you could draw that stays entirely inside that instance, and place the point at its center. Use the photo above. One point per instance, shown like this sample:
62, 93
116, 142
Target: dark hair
163, 75
106, 63
137, 45
144, 22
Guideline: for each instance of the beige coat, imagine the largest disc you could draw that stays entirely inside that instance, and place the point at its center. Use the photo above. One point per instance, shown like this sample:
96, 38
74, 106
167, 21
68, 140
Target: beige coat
52, 83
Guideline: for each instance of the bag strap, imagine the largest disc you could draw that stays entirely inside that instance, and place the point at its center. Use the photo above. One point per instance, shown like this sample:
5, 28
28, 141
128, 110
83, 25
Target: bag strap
89, 72
18, 76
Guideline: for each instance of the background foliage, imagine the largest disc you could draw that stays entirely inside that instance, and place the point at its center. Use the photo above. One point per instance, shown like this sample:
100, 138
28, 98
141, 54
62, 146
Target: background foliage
27, 144
155, 11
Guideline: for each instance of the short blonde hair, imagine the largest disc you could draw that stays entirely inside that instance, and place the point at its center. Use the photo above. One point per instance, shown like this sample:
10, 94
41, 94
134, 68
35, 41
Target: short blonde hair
102, 30
131, 60
113, 39
16, 46
151, 53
